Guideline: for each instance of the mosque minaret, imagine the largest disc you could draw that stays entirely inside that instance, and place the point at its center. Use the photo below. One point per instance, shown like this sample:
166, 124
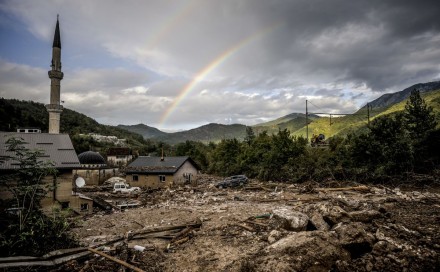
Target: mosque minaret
55, 75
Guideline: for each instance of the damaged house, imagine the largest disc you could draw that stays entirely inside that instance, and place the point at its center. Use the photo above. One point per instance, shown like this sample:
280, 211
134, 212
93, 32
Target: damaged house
119, 156
161, 172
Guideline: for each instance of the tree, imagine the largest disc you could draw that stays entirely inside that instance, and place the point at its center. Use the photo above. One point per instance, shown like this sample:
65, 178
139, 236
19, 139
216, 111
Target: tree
418, 116
250, 136
385, 149
225, 158
26, 184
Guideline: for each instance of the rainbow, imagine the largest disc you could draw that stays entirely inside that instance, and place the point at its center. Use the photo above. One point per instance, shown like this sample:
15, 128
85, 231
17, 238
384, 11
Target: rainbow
173, 21
211, 66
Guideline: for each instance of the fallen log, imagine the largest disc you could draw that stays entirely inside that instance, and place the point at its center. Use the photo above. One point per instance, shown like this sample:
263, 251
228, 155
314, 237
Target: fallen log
361, 188
195, 225
30, 262
116, 260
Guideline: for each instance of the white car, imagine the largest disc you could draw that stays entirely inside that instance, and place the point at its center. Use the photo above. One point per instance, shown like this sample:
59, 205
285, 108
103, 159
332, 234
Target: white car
121, 187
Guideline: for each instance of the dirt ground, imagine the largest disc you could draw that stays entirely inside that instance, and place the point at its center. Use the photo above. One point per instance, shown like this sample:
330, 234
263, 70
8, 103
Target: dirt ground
268, 227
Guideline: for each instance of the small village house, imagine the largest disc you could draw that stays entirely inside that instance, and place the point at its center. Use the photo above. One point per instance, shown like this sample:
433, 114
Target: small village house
58, 149
161, 172
119, 156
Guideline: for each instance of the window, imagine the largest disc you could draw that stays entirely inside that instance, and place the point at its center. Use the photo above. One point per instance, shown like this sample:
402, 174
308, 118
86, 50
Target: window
162, 178
84, 207
135, 178
187, 177
64, 205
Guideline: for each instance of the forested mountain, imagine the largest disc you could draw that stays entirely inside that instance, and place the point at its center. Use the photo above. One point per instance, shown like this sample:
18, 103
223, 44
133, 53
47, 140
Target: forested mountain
146, 131
17, 113
394, 98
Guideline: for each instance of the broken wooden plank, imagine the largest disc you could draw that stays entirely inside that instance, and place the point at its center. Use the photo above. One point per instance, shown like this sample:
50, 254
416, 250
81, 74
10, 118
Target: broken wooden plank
256, 223
183, 233
116, 260
361, 188
197, 224
43, 262
245, 227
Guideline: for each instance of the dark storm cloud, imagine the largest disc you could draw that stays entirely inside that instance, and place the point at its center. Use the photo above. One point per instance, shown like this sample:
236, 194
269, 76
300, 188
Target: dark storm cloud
252, 59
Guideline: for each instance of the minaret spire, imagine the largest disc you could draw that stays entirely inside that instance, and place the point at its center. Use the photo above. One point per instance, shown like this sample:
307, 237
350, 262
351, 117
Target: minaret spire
55, 75
56, 37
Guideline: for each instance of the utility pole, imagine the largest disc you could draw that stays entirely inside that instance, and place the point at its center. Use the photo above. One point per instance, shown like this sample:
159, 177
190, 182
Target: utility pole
368, 113
307, 123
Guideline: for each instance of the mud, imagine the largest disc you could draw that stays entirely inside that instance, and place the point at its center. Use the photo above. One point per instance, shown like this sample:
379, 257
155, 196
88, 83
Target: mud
272, 227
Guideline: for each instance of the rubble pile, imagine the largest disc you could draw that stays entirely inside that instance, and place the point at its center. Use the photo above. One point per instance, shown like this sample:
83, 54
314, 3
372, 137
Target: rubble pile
269, 227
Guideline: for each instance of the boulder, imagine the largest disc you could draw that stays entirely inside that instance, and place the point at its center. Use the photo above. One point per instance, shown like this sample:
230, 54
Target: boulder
318, 222
354, 238
303, 251
290, 220
364, 216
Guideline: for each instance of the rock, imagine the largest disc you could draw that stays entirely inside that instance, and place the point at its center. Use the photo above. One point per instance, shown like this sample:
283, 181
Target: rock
354, 238
364, 216
291, 220
274, 236
303, 251
336, 215
318, 221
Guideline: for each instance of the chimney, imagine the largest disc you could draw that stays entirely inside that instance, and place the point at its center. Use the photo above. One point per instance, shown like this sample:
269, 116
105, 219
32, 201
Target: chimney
162, 158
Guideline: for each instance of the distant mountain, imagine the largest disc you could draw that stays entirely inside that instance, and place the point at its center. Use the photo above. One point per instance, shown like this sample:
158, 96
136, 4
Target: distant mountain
394, 98
17, 113
292, 122
207, 133
146, 131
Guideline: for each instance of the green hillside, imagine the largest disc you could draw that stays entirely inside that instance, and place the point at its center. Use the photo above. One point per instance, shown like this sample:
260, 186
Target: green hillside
350, 123
205, 134
16, 113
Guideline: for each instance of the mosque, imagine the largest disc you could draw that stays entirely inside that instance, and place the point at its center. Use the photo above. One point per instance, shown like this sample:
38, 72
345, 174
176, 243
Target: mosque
56, 148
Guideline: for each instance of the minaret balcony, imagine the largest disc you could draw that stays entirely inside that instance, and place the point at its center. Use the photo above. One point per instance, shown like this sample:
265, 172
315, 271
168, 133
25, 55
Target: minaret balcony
56, 74
54, 107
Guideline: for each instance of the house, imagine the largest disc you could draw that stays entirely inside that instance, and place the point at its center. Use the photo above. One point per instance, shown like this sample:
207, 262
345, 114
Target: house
119, 156
94, 169
58, 149
161, 172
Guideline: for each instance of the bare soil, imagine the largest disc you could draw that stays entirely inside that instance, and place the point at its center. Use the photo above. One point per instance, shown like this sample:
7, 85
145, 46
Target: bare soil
270, 227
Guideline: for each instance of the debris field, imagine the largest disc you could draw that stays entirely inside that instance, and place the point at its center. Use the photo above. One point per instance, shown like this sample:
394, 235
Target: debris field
266, 227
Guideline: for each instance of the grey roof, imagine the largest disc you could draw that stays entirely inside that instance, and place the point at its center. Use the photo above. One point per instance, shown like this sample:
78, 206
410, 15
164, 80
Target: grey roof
57, 148
169, 165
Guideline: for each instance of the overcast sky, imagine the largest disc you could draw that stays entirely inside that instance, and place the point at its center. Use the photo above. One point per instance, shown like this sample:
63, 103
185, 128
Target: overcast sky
176, 64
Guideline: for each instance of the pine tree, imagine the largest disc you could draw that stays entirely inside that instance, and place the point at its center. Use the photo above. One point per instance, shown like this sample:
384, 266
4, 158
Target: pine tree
419, 117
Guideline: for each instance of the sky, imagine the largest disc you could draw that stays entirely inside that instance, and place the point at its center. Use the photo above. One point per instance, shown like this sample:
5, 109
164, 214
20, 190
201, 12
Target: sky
177, 64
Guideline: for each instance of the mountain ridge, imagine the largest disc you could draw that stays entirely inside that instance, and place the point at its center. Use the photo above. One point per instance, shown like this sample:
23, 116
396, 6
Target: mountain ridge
27, 113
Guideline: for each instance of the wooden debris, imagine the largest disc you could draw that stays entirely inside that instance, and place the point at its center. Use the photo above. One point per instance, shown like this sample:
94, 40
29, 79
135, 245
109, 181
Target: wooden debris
245, 227
197, 224
54, 258
116, 260
256, 223
361, 188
